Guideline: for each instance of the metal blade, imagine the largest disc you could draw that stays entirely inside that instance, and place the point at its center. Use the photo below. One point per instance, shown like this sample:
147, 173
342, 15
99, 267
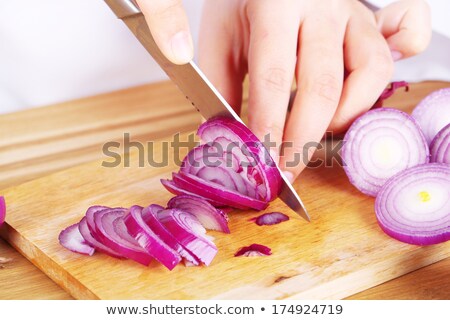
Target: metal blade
193, 83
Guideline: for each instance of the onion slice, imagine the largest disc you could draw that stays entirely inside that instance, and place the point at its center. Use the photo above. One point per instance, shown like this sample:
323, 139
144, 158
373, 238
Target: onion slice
189, 233
176, 190
71, 238
89, 238
150, 216
440, 146
388, 92
254, 250
147, 238
210, 217
113, 233
379, 144
414, 205
270, 218
2, 210
433, 112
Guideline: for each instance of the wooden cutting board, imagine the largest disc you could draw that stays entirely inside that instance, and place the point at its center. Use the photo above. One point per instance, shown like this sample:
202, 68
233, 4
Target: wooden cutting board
341, 252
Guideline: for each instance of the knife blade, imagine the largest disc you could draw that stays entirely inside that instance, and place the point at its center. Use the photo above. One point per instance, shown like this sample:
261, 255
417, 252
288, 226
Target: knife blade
194, 85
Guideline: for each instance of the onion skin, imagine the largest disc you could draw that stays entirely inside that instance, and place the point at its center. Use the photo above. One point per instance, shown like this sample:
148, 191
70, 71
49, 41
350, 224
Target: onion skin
2, 210
378, 124
210, 217
149, 240
433, 112
440, 146
254, 250
397, 219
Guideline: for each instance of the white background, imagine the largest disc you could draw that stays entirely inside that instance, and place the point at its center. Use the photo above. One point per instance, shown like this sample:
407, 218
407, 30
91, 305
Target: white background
59, 50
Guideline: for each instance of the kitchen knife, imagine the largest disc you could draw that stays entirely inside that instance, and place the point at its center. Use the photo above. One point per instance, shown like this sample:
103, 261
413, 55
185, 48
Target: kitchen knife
193, 83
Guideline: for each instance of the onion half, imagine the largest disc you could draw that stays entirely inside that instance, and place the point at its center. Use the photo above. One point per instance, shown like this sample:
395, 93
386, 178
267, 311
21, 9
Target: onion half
379, 144
440, 146
433, 113
414, 205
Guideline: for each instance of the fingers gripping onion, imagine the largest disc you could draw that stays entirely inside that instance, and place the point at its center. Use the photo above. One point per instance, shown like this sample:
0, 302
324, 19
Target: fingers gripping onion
378, 145
414, 205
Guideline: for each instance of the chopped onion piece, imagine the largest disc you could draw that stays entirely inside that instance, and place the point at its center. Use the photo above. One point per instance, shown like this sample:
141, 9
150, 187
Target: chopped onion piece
270, 218
440, 146
71, 238
414, 205
254, 250
433, 113
378, 145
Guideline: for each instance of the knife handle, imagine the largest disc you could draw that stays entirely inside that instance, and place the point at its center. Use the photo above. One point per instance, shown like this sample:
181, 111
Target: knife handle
123, 8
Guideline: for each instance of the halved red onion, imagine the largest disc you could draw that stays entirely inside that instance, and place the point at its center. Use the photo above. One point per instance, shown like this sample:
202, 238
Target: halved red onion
89, 238
440, 146
2, 210
71, 238
414, 205
113, 233
433, 112
254, 250
150, 216
215, 192
210, 217
270, 218
147, 238
378, 145
189, 233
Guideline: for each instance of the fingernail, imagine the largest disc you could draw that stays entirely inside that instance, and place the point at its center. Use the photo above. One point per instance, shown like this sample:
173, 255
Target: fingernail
289, 175
396, 55
182, 47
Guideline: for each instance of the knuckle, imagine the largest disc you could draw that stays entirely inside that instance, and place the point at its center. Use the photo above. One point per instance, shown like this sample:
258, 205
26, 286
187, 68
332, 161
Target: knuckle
325, 86
168, 8
276, 79
418, 43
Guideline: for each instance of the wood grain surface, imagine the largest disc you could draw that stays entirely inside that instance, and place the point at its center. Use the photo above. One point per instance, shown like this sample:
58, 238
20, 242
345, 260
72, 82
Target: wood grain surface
55, 130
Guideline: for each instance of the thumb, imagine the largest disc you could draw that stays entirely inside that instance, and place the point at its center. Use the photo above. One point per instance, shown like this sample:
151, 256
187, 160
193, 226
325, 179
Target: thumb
169, 25
406, 25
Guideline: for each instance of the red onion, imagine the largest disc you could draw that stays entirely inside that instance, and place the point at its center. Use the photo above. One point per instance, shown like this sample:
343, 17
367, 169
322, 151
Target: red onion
232, 168
254, 250
210, 217
89, 238
440, 146
270, 218
2, 210
414, 205
189, 233
113, 233
150, 217
388, 92
433, 113
147, 238
71, 238
378, 145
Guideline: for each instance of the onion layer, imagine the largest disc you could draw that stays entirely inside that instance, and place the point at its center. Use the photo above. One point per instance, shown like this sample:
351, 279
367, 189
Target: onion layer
440, 146
378, 145
433, 113
414, 205
254, 250
71, 238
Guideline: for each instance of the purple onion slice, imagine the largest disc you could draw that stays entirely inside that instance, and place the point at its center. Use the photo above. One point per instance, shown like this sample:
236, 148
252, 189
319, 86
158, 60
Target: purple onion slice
414, 205
380, 144
270, 218
89, 238
210, 217
71, 238
440, 146
254, 250
433, 112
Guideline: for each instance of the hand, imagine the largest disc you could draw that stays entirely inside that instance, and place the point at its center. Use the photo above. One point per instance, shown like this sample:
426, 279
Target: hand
170, 28
316, 43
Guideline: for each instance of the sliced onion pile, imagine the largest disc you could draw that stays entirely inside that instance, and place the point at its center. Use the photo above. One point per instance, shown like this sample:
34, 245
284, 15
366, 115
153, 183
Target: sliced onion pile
414, 205
142, 234
379, 144
232, 168
2, 210
440, 146
433, 113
